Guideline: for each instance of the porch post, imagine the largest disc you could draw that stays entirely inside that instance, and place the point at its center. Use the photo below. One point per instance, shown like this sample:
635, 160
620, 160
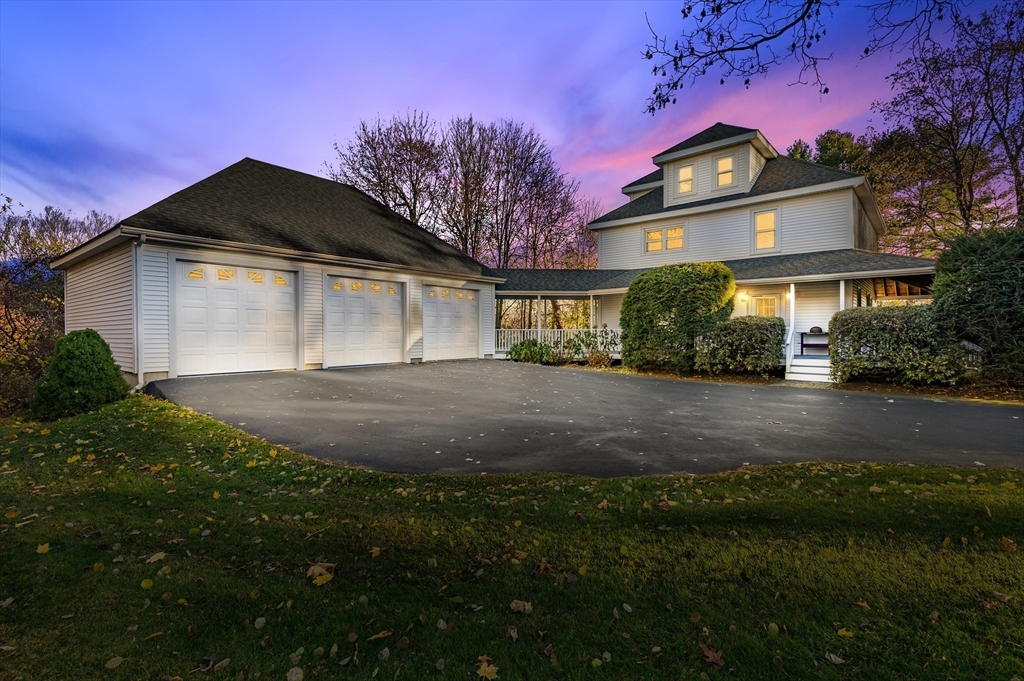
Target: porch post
842, 294
538, 317
593, 322
792, 307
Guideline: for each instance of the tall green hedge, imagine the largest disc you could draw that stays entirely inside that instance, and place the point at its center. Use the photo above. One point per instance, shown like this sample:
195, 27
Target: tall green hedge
81, 376
900, 343
667, 308
979, 296
743, 345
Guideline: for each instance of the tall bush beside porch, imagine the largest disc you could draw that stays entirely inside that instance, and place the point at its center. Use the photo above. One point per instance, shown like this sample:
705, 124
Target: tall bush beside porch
742, 345
668, 307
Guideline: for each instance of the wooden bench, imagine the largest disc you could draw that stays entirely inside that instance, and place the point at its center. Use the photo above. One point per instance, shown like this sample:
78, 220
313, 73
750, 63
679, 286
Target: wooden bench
817, 340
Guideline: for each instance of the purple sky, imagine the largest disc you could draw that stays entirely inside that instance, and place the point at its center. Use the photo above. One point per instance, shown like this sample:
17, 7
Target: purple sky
113, 106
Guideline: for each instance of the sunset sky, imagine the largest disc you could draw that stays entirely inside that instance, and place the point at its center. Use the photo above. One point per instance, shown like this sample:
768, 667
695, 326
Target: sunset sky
113, 106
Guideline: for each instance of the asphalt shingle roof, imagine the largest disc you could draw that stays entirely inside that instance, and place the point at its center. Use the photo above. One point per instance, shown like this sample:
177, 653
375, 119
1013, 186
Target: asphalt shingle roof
716, 133
258, 203
653, 176
747, 269
779, 174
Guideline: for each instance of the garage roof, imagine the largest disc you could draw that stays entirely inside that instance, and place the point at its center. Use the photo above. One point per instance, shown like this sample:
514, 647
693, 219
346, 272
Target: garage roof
252, 202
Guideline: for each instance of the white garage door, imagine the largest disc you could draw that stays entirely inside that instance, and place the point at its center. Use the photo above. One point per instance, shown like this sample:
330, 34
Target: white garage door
362, 322
451, 323
234, 319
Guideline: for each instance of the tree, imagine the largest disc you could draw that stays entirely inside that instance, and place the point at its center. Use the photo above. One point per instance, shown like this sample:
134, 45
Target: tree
466, 170
740, 39
800, 150
840, 150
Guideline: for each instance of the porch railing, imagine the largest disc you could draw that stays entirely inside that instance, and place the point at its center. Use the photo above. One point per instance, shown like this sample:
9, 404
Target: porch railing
506, 338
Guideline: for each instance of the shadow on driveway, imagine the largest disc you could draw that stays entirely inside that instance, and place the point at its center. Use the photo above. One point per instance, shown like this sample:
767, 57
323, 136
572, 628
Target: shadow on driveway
501, 417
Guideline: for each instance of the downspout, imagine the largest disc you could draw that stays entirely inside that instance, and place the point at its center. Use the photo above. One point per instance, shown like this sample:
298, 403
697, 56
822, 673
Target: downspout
137, 294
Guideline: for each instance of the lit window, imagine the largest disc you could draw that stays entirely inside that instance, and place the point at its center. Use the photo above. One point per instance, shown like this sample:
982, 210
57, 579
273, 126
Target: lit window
764, 230
765, 306
279, 280
674, 238
375, 288
723, 167
392, 291
431, 293
357, 286
255, 277
445, 293
686, 179
470, 296
225, 275
338, 285
197, 273
654, 237
458, 294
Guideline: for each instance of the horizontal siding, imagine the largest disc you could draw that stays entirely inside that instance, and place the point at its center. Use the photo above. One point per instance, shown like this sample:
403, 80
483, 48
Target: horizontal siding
756, 163
704, 176
414, 323
313, 313
156, 310
815, 304
611, 309
487, 318
820, 222
98, 295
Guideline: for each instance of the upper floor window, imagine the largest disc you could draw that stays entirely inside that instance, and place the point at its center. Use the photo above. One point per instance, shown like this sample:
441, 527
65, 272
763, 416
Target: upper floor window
723, 171
686, 179
764, 230
669, 239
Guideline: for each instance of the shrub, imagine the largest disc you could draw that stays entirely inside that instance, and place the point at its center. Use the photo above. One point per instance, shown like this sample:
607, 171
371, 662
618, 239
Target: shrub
900, 343
666, 308
742, 344
531, 351
593, 346
979, 297
81, 376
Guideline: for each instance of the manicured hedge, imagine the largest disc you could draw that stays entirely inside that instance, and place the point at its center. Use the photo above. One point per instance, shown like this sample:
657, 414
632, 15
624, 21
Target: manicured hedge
667, 308
742, 345
901, 343
979, 297
81, 376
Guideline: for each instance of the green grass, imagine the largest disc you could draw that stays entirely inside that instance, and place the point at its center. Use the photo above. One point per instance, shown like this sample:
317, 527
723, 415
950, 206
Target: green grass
667, 564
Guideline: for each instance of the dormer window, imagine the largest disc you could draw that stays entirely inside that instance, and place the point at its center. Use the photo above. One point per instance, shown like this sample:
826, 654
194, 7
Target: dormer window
686, 179
723, 171
764, 230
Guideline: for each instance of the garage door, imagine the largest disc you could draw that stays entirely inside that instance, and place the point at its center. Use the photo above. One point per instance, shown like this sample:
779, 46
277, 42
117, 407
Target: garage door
234, 319
362, 322
451, 323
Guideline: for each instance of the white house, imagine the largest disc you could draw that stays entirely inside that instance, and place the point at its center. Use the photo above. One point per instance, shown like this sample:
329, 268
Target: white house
801, 238
258, 267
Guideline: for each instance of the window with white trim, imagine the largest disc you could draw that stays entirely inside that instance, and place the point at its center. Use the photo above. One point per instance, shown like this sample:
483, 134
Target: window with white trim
765, 230
666, 239
764, 306
686, 179
723, 171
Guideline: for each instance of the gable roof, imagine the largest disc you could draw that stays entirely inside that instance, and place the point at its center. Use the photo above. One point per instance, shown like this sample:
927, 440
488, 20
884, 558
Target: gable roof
716, 133
779, 174
252, 202
650, 178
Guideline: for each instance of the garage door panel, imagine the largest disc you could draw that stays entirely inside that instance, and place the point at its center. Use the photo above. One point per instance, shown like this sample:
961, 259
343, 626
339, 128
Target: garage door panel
363, 321
450, 323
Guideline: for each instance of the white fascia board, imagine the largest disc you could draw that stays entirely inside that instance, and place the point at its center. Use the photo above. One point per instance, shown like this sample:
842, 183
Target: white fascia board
763, 146
565, 295
733, 203
102, 242
867, 197
182, 240
629, 190
710, 146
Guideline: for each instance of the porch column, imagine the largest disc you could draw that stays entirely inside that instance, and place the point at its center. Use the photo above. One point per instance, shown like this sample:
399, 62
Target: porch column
538, 317
842, 294
792, 308
593, 322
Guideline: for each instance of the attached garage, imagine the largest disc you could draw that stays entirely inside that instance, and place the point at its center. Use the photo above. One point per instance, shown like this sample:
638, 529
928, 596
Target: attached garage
451, 323
362, 321
233, 319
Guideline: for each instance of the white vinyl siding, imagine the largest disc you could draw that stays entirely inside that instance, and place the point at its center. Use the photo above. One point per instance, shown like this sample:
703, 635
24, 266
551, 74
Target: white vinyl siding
156, 316
313, 314
818, 222
610, 309
705, 175
99, 295
414, 319
487, 318
816, 302
756, 163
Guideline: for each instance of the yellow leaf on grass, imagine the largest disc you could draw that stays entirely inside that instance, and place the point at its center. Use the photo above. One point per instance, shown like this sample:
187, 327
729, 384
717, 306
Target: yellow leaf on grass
43, 548
153, 635
487, 671
876, 489
114, 662
216, 494
375, 552
383, 634
97, 567
583, 570
159, 555
321, 573
73, 459
147, 584
322, 579
845, 632
519, 523
44, 431
12, 514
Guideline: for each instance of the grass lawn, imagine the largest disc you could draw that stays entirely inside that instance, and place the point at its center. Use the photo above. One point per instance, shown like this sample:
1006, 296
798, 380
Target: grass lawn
148, 541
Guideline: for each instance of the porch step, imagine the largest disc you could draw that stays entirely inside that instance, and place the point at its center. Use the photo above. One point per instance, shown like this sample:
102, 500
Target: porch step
808, 369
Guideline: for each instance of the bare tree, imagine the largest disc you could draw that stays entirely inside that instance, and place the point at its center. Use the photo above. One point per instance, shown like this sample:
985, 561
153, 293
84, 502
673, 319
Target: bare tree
517, 154
466, 171
740, 39
395, 162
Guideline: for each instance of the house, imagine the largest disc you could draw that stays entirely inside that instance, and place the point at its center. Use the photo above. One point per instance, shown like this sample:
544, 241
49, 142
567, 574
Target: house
801, 238
259, 268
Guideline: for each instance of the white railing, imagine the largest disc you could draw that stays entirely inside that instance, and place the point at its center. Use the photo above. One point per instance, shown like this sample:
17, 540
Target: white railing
789, 349
506, 338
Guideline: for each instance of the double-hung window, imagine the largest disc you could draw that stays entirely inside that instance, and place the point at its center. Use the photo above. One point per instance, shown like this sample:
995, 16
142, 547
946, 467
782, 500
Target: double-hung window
686, 179
723, 171
765, 230
667, 239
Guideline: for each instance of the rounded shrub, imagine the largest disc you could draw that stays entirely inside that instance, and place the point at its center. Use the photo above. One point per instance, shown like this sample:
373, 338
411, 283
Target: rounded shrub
81, 376
979, 297
742, 345
900, 343
667, 308
530, 351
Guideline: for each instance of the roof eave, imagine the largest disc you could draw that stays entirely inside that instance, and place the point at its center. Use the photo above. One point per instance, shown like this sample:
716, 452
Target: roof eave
666, 157
631, 189
109, 239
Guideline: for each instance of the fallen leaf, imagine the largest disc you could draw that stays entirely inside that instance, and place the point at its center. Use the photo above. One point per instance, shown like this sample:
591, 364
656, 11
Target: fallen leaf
1009, 545
875, 489
43, 548
147, 584
513, 633
862, 604
715, 658
773, 629
384, 654
374, 552
12, 514
294, 674
834, 659
260, 622
321, 573
439, 665
216, 495
522, 607
223, 663
114, 662
159, 555
777, 661
487, 671
845, 632
442, 625
383, 634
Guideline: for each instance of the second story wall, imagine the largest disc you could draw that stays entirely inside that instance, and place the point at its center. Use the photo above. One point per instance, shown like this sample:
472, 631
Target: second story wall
817, 222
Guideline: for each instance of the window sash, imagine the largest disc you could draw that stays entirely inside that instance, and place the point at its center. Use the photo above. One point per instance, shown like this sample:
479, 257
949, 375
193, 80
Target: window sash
653, 240
723, 168
764, 230
686, 179
765, 306
674, 238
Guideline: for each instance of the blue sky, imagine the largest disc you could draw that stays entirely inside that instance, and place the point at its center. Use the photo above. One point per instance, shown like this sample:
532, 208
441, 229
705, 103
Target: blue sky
113, 106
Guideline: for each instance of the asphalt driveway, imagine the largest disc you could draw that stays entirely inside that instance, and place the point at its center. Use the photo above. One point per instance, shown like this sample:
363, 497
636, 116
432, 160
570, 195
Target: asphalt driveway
494, 416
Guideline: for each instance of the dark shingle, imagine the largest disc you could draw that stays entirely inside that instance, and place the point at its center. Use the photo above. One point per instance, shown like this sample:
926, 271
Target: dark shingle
554, 280
653, 176
779, 174
716, 133
252, 202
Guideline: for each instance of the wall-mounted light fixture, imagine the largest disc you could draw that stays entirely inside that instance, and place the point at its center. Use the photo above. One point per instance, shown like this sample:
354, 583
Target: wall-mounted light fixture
743, 296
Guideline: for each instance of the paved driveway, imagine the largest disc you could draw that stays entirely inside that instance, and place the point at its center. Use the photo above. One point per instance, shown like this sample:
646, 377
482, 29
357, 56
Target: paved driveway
493, 416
